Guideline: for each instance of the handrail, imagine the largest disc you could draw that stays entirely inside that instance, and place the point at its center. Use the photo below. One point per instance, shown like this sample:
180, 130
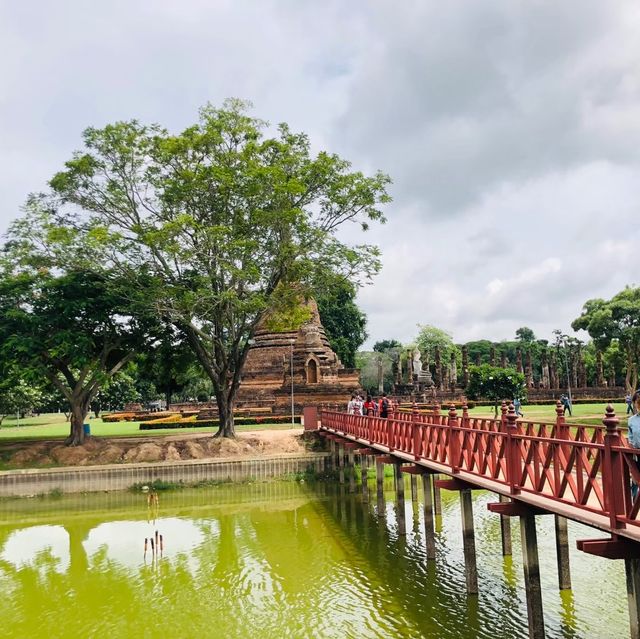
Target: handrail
587, 468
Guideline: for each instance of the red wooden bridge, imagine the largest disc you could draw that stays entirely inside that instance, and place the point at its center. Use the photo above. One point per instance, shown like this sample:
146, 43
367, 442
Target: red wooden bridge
579, 472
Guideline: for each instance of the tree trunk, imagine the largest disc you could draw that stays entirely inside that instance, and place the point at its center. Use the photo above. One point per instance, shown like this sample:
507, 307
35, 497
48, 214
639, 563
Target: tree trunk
79, 410
225, 411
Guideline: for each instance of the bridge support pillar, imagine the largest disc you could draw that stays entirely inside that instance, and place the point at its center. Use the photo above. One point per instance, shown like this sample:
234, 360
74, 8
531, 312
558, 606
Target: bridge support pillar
469, 541
341, 462
364, 467
414, 488
429, 529
332, 454
632, 570
352, 469
535, 614
402, 521
505, 530
437, 500
562, 553
380, 485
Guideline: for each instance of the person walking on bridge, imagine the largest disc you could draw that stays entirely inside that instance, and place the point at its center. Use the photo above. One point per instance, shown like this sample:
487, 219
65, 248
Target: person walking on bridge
633, 436
385, 406
566, 403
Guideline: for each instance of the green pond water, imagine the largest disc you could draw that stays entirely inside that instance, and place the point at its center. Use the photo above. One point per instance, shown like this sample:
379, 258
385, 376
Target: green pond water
279, 559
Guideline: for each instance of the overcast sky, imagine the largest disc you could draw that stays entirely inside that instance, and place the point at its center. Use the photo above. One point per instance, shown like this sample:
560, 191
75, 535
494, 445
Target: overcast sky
511, 129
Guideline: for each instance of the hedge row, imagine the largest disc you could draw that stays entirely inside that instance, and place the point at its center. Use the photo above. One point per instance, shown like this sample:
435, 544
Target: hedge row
208, 423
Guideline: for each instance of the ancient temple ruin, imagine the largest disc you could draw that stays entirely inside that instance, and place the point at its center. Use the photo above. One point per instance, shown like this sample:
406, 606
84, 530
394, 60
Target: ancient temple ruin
318, 374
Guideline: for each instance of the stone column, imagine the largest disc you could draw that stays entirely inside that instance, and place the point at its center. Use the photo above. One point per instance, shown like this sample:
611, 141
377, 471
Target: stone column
492, 355
438, 363
380, 375
453, 374
465, 366
529, 370
519, 360
599, 369
503, 360
545, 370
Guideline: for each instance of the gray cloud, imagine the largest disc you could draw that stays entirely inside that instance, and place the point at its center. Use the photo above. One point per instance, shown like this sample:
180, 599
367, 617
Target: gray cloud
511, 130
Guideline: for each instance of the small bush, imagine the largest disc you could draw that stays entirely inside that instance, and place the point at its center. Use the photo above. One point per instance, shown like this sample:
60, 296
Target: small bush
148, 417
214, 423
119, 417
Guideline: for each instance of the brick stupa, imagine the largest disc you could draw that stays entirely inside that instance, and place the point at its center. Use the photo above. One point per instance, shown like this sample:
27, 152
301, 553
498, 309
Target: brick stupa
318, 374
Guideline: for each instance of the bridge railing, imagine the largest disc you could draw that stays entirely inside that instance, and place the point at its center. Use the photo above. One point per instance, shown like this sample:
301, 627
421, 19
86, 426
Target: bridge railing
590, 468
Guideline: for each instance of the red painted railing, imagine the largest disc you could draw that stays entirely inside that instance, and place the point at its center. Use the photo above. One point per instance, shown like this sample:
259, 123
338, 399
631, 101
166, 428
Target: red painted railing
588, 468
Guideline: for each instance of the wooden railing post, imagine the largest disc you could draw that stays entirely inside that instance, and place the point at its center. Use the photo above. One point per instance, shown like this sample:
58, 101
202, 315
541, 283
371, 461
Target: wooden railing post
503, 419
454, 439
562, 428
465, 413
511, 451
613, 483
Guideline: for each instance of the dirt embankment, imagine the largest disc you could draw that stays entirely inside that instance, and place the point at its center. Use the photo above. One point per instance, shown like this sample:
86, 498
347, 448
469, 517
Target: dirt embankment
171, 448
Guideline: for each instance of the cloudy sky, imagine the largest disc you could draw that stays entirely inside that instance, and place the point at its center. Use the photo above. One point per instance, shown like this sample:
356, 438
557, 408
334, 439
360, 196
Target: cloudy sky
511, 129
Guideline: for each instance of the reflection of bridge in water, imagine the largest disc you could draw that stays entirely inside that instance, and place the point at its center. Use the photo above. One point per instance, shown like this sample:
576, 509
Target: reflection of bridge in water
582, 473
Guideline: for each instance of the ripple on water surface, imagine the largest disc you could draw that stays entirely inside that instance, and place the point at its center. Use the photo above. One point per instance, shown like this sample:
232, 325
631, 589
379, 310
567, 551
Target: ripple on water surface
279, 560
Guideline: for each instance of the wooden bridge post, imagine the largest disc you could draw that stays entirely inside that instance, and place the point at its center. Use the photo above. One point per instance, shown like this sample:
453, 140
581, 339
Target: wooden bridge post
469, 541
632, 572
437, 499
415, 419
341, 461
505, 522
454, 439
352, 469
429, 527
512, 452
613, 475
562, 534
468, 534
402, 522
379, 477
533, 588
332, 454
364, 467
380, 485
562, 552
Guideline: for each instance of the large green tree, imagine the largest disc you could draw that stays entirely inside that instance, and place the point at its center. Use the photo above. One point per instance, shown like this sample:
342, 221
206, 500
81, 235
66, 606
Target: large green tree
495, 383
75, 329
343, 321
223, 216
615, 320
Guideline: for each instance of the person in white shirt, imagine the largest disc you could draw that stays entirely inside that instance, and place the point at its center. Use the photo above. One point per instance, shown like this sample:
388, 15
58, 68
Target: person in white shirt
351, 406
633, 436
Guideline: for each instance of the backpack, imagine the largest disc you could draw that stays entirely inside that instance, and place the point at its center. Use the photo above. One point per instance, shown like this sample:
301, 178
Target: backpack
385, 406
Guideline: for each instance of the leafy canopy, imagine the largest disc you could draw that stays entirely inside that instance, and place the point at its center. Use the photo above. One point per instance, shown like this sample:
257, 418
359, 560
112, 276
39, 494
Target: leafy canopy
495, 383
615, 320
220, 216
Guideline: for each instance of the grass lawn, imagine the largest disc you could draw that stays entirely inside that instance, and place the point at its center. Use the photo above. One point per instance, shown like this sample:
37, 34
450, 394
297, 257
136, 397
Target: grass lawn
53, 426
591, 414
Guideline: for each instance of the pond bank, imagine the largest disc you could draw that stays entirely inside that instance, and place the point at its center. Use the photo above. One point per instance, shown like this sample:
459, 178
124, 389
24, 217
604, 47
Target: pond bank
108, 477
